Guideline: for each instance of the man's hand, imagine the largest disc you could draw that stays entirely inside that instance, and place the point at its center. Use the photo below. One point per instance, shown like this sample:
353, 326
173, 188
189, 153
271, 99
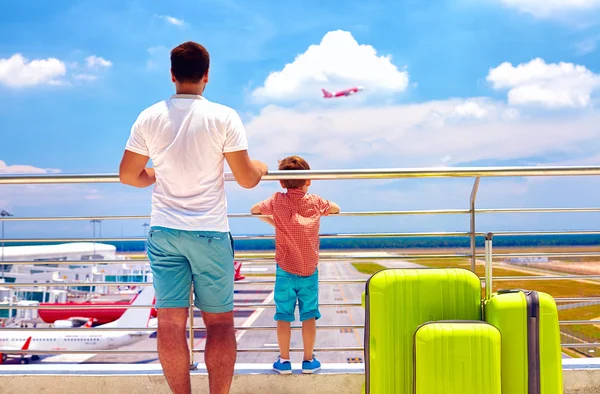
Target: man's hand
133, 171
262, 167
247, 173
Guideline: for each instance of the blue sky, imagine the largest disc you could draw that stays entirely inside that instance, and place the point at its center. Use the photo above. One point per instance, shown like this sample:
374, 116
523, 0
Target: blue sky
450, 82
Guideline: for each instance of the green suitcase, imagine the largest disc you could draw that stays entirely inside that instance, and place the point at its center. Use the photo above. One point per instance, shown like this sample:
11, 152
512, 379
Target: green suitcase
459, 357
528, 322
397, 302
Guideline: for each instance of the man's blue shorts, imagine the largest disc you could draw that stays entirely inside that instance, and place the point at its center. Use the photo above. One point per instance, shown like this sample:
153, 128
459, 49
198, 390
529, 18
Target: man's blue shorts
178, 257
289, 288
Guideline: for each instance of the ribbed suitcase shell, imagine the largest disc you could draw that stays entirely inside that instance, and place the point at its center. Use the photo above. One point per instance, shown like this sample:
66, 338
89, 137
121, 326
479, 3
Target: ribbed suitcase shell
508, 313
457, 358
397, 302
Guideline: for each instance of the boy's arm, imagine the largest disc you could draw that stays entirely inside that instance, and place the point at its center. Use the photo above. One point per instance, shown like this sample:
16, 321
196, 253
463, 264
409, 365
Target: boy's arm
333, 208
256, 210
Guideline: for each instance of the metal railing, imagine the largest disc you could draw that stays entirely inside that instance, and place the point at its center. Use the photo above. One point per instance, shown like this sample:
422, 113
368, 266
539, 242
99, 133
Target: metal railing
326, 257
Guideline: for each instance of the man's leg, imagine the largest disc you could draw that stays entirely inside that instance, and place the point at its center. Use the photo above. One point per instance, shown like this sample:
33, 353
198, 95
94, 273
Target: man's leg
220, 351
172, 279
173, 349
211, 259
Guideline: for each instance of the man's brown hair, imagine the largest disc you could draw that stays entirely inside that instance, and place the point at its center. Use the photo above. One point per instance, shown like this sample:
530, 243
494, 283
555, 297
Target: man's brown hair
189, 62
293, 163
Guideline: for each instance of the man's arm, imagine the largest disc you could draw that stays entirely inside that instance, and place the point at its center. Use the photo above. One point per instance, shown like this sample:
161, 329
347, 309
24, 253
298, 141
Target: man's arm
247, 172
133, 171
255, 210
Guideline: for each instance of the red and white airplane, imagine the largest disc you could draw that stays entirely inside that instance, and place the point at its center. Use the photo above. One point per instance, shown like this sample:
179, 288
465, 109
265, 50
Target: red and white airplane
88, 340
342, 93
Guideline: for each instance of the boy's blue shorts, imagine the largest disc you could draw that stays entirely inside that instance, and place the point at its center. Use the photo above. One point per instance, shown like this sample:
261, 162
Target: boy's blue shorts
289, 288
179, 257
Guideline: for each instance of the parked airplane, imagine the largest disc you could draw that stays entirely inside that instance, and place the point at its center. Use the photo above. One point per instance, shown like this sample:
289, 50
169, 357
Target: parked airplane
88, 340
342, 93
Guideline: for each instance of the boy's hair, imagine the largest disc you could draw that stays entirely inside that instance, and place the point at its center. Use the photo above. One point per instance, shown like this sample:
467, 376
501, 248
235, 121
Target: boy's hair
293, 163
189, 62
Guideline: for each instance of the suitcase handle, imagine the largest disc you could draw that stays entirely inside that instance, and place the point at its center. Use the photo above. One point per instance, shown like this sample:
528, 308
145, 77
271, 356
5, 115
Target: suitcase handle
488, 265
508, 291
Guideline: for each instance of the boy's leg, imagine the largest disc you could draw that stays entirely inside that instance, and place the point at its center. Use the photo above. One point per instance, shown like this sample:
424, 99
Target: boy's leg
172, 279
308, 303
285, 306
284, 336
309, 335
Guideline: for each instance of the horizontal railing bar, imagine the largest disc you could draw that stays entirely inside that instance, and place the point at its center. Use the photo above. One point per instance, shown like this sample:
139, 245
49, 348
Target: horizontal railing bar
579, 345
326, 236
271, 282
295, 350
239, 328
144, 329
250, 258
243, 350
112, 284
544, 232
237, 306
267, 258
148, 329
545, 277
542, 254
250, 237
127, 306
230, 215
578, 322
535, 210
258, 350
364, 213
578, 299
387, 173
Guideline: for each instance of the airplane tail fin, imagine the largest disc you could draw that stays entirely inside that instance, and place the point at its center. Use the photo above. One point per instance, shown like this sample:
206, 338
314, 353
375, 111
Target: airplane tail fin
134, 317
326, 94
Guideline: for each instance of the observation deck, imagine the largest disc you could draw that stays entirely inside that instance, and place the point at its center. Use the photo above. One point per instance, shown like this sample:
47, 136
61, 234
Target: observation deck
566, 273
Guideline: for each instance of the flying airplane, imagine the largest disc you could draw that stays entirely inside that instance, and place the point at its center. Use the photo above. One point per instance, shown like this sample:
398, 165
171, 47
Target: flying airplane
88, 340
342, 93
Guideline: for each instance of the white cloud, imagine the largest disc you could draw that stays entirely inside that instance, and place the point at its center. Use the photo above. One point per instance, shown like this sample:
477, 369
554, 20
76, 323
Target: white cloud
470, 109
417, 134
172, 20
338, 62
548, 8
17, 71
23, 169
86, 77
97, 62
551, 85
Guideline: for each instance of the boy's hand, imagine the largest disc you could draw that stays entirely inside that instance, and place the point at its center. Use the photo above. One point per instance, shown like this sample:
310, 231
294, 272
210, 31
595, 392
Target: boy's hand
262, 167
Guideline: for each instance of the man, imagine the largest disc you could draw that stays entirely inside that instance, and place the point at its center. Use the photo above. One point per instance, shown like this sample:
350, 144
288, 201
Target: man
188, 138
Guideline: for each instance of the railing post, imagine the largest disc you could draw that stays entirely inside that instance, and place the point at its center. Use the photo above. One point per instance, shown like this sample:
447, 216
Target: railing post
472, 229
191, 329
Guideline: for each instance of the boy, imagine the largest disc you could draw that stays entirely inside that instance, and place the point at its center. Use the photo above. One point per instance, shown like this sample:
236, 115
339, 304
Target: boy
296, 217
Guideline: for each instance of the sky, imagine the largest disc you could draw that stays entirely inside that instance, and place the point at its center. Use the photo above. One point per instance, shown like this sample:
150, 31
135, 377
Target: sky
448, 83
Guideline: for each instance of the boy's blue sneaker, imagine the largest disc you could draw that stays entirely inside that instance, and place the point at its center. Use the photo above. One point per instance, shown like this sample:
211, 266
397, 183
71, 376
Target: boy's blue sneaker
282, 368
311, 366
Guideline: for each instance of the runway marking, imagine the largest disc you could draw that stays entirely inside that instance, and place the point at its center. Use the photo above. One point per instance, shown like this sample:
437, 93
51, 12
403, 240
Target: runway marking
346, 300
250, 320
254, 269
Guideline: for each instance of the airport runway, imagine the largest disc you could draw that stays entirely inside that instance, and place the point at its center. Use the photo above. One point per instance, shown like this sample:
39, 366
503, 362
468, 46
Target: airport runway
260, 317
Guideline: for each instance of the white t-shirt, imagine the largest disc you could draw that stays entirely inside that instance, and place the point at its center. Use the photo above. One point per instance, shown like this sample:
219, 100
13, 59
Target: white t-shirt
186, 137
